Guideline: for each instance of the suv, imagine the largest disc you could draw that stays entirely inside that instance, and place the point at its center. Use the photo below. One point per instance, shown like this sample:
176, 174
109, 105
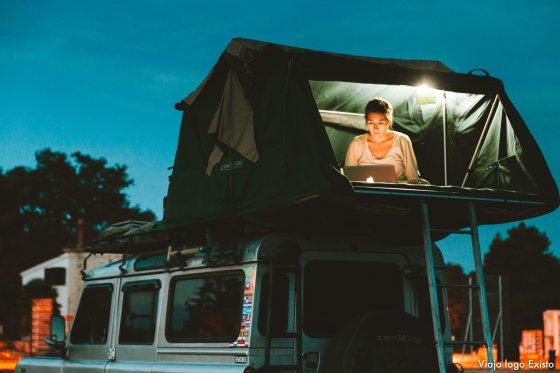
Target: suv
268, 303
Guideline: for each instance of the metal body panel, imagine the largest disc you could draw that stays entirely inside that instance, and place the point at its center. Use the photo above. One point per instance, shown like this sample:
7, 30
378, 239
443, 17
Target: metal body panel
196, 368
84, 365
130, 366
40, 365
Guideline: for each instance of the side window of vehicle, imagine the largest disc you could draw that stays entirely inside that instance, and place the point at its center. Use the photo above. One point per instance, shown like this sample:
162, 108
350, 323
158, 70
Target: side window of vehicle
205, 309
139, 312
91, 325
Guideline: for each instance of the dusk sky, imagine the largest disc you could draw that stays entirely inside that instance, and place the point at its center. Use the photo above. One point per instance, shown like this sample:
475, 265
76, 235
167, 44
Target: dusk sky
102, 77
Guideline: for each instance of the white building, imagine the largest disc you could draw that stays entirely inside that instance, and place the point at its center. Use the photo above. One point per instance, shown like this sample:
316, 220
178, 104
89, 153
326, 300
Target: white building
63, 273
551, 322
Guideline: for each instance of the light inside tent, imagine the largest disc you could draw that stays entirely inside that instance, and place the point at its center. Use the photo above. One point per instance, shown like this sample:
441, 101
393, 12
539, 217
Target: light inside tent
426, 95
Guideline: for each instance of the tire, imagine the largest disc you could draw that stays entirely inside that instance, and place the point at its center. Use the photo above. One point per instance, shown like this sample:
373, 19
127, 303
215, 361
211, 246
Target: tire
383, 342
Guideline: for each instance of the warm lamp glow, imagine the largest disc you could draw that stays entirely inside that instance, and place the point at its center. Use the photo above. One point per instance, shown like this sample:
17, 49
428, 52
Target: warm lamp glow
427, 95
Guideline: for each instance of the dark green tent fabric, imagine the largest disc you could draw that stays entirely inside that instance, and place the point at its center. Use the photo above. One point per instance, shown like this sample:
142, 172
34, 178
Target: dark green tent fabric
295, 158
303, 107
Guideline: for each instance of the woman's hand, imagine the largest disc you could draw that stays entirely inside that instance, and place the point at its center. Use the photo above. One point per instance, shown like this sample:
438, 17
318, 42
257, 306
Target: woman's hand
419, 180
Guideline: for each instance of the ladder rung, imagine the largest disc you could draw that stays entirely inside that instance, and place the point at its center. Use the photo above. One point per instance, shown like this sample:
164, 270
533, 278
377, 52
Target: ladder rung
456, 231
473, 343
457, 286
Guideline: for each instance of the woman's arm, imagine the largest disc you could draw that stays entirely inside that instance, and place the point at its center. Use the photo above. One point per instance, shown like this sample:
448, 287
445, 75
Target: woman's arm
352, 154
410, 163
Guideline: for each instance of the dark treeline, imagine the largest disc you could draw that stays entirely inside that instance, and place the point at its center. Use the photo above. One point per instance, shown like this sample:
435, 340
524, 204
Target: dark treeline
530, 274
39, 210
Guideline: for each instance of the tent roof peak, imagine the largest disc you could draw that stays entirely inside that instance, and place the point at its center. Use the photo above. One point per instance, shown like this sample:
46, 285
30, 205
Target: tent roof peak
239, 48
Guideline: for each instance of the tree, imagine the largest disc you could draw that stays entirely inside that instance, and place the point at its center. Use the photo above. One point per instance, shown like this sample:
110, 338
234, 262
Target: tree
40, 208
532, 272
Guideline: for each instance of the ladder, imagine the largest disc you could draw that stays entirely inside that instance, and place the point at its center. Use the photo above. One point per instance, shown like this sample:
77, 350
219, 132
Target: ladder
433, 285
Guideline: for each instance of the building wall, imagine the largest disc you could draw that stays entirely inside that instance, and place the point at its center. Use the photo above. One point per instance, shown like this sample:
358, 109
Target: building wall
72, 260
551, 323
74, 276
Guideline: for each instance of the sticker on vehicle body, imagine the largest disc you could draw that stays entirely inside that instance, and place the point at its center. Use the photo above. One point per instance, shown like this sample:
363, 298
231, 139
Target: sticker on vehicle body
245, 332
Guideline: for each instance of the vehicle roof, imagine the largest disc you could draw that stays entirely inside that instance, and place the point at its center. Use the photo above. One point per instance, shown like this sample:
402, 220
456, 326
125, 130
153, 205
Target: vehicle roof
248, 250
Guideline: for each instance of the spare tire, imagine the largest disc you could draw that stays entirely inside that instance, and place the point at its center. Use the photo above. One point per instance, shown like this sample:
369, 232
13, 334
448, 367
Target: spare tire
383, 342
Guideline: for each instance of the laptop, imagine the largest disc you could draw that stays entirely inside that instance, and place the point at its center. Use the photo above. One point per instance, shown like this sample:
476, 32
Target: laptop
375, 173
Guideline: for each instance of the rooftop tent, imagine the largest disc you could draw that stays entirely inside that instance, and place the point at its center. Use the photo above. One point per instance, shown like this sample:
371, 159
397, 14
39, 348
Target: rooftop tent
269, 128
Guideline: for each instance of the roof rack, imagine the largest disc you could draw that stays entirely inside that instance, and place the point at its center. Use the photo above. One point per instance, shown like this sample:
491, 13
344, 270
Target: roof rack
130, 236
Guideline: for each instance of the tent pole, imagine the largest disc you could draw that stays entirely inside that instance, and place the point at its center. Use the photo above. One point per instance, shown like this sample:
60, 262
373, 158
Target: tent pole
481, 139
444, 139
501, 318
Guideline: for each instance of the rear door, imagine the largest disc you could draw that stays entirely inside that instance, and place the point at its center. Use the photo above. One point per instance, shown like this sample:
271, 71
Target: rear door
337, 288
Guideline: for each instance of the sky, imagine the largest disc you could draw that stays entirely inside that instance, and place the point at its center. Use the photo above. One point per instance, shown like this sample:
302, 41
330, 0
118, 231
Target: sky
103, 77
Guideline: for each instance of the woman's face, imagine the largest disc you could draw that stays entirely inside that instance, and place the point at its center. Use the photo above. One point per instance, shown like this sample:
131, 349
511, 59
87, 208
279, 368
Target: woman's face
377, 123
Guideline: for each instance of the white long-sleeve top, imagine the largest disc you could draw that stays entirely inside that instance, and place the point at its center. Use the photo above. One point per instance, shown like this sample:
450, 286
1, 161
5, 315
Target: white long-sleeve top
401, 155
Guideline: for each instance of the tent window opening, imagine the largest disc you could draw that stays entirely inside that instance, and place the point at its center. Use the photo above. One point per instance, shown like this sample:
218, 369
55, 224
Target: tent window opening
444, 127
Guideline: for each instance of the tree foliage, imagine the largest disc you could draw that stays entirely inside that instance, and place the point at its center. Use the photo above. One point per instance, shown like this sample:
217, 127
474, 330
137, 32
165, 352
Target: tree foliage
43, 204
40, 207
531, 274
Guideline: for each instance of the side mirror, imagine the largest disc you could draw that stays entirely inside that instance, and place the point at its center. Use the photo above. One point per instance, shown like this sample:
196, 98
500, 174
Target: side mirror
58, 332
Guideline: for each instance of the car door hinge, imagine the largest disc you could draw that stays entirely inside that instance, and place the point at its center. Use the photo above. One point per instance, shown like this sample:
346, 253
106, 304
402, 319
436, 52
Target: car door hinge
111, 355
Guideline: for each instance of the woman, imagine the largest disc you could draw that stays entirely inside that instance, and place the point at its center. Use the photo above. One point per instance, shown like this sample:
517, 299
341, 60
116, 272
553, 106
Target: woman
382, 145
